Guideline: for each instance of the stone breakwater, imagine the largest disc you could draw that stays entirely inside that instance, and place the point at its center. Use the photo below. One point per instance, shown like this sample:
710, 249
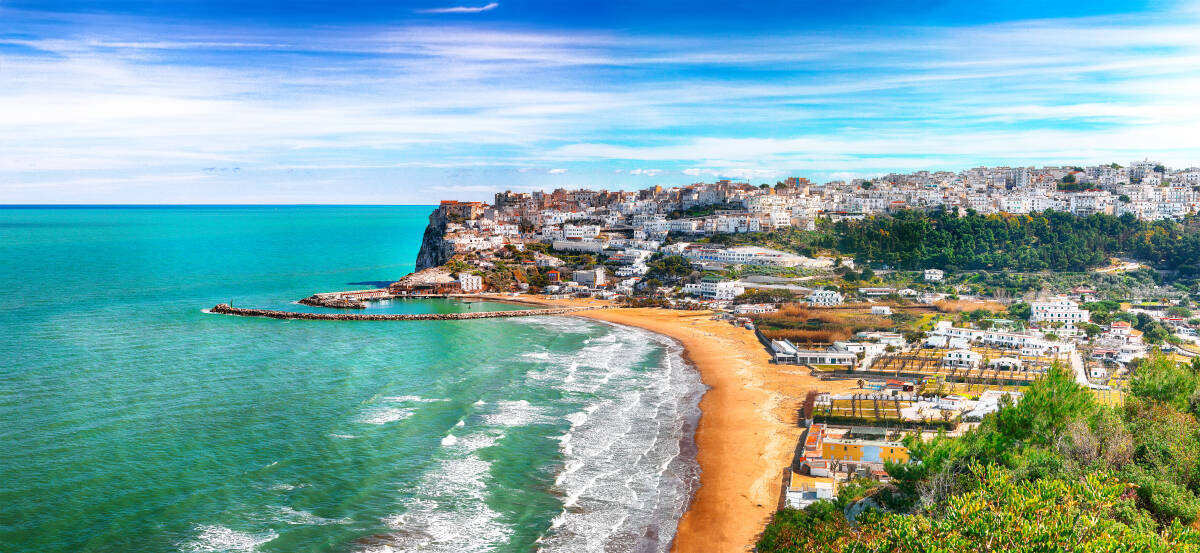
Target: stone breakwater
318, 300
226, 309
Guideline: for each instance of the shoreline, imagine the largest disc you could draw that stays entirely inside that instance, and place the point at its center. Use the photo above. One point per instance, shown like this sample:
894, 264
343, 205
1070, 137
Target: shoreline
746, 434
747, 430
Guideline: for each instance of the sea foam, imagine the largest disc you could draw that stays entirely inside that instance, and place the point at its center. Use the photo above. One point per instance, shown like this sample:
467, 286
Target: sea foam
220, 539
629, 468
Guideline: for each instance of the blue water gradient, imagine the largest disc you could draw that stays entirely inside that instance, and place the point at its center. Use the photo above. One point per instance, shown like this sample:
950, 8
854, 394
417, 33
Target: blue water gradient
132, 421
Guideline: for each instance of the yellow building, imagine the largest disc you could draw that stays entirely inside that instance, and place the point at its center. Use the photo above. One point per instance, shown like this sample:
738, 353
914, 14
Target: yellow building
864, 451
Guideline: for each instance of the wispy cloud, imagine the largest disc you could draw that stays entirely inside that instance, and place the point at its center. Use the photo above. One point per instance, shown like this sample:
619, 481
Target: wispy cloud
462, 9
486, 107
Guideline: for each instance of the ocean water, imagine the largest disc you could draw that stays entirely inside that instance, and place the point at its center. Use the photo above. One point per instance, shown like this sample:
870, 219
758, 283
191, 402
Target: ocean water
131, 421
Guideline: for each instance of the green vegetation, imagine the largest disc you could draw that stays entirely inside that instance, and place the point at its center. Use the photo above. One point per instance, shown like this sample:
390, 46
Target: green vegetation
765, 295
699, 211
1055, 472
669, 268
1036, 242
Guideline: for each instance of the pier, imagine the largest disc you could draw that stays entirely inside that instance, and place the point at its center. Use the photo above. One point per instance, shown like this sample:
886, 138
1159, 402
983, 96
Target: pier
226, 309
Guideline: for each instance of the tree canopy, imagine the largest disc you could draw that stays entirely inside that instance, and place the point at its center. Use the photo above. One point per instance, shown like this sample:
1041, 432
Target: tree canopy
1054, 472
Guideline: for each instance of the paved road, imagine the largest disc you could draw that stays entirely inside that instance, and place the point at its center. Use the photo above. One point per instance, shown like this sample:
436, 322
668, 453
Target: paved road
1077, 366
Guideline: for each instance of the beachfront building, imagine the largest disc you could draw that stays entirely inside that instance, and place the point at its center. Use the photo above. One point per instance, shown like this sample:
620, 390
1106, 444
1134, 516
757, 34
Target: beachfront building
785, 352
833, 451
1058, 310
714, 288
804, 490
865, 451
717, 289
590, 277
825, 298
470, 283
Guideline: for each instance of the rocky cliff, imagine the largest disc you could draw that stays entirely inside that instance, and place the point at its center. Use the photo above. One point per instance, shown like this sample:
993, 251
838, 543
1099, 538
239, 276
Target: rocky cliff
435, 250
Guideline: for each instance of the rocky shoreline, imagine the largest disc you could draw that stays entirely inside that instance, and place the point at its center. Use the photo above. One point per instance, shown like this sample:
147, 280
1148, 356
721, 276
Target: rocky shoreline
226, 309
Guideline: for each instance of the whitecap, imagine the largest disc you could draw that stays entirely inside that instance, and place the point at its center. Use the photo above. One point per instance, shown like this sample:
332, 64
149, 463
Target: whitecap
384, 415
343, 436
449, 440
449, 514
297, 517
626, 476
516, 413
219, 539
412, 399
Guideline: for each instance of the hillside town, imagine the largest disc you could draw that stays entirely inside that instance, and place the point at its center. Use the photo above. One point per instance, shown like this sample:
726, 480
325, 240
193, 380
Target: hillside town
929, 350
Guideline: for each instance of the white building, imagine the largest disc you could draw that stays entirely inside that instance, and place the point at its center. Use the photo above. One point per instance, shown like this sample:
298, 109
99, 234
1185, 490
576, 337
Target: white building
590, 277
1057, 310
470, 283
825, 298
934, 275
580, 232
592, 246
962, 358
716, 289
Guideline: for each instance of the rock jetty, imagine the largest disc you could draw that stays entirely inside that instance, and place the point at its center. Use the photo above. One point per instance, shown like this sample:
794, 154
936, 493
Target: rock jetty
226, 309
328, 300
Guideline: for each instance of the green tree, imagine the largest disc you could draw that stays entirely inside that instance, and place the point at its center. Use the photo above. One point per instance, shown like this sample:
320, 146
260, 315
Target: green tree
1019, 311
1159, 378
1000, 514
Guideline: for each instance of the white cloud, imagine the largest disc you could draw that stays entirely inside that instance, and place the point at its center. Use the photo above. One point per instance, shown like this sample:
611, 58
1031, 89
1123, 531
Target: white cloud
125, 101
462, 9
740, 173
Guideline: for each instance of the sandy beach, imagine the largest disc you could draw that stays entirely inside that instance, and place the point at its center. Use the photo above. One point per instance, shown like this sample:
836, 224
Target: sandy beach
747, 432
748, 423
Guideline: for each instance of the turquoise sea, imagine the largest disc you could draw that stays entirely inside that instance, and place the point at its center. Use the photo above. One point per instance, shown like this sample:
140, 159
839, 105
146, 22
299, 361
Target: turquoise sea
132, 421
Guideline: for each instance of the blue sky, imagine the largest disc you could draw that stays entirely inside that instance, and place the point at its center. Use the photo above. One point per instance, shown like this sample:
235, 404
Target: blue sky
410, 102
